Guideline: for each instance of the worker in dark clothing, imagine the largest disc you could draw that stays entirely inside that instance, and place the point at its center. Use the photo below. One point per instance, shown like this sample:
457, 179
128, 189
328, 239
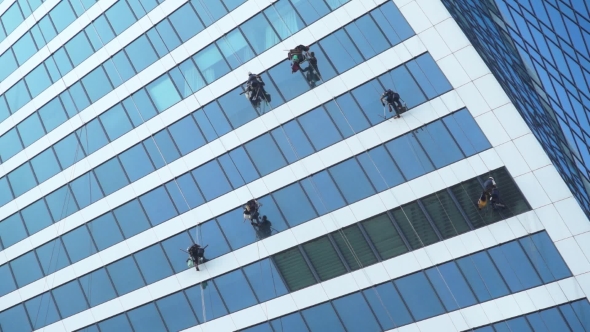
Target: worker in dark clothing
495, 199
312, 72
255, 89
393, 102
490, 193
297, 57
251, 211
263, 229
489, 185
196, 255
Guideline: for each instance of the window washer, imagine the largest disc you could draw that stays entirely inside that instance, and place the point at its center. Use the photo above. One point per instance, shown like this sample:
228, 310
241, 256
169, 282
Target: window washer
196, 255
251, 211
263, 229
393, 102
495, 199
297, 56
255, 89
313, 74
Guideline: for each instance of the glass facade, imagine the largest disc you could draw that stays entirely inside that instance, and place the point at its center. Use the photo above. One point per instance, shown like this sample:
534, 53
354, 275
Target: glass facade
132, 138
538, 50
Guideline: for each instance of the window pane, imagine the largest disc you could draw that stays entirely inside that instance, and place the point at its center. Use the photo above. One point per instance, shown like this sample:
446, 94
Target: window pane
401, 81
292, 141
115, 121
582, 309
256, 27
10, 145
45, 165
550, 255
136, 162
98, 287
97, 84
294, 269
68, 151
214, 306
388, 306
42, 304
117, 323
186, 22
290, 86
211, 180
235, 48
153, 264
451, 286
354, 247
465, 193
190, 191
435, 75
125, 275
323, 192
176, 312
163, 93
445, 214
12, 230
324, 258
380, 168
52, 256
78, 244
356, 314
265, 280
367, 36
111, 176
466, 126
341, 50
384, 236
481, 273
211, 63
348, 116
36, 217
415, 226
158, 206
439, 145
294, 204
570, 316
69, 299
211, 235
235, 291
322, 318
146, 318
5, 193
412, 164
231, 170
419, 296
7, 285
105, 231
265, 154
86, 190
30, 129
26, 269
15, 319
352, 181
519, 264
319, 128
186, 135
22, 179
236, 236
554, 320
290, 323
237, 110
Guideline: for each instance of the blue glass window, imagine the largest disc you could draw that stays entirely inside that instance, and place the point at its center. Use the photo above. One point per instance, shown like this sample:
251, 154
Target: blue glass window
170, 38
68, 151
98, 287
388, 306
7, 285
292, 141
511, 256
36, 216
294, 204
439, 145
290, 323
216, 117
186, 22
86, 190
15, 319
26, 269
483, 277
235, 291
319, 128
30, 129
163, 92
117, 323
451, 287
69, 299
265, 154
256, 27
105, 231
78, 48
211, 180
341, 50
419, 296
176, 257
141, 53
52, 114
550, 255
351, 180
235, 48
153, 264
42, 304
265, 280
140, 104
45, 165
237, 237
401, 81
237, 110
211, 63
351, 308
22, 179
78, 244
97, 84
176, 312
409, 156
146, 318
214, 306
115, 121
186, 135
210, 234
136, 162
158, 206
322, 318
61, 203
131, 218
190, 191
12, 230
317, 9
435, 75
111, 176
323, 193
5, 193
125, 275
52, 256
231, 171
380, 168
467, 132
120, 16
10, 145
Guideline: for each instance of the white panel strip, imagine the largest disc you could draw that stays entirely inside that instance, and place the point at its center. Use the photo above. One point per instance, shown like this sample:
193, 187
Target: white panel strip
383, 132
377, 273
346, 216
28, 23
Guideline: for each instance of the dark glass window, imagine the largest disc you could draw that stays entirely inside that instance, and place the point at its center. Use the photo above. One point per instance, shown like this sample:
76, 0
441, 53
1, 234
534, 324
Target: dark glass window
445, 214
354, 247
384, 236
294, 269
415, 225
324, 258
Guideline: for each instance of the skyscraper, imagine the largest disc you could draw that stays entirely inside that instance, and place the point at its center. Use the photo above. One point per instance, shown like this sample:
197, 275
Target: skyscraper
128, 134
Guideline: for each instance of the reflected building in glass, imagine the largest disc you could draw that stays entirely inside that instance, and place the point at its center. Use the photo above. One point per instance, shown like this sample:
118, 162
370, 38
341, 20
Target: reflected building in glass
128, 133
